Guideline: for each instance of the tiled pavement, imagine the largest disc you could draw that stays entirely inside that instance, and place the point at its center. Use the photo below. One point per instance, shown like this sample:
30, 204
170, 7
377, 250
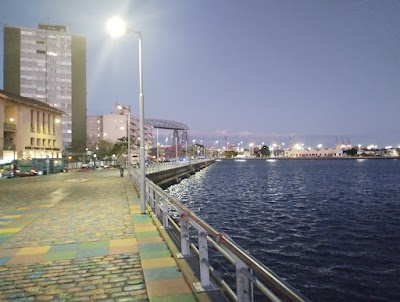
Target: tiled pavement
80, 237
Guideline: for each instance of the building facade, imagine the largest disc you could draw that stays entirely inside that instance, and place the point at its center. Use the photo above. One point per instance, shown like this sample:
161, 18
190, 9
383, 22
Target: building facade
48, 64
114, 126
31, 129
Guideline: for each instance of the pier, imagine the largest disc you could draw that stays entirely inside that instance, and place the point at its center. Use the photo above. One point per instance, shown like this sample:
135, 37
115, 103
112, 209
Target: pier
80, 236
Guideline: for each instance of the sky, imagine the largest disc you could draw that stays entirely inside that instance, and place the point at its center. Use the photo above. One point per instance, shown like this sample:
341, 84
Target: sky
253, 71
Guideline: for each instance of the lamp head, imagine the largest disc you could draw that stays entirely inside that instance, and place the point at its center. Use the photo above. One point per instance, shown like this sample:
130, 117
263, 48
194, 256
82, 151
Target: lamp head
116, 27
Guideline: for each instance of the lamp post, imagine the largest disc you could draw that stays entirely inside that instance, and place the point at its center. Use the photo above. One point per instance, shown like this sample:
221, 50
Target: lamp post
117, 27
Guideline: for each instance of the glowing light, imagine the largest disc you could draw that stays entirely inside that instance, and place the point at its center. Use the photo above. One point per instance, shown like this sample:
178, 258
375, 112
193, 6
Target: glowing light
319, 146
116, 27
11, 119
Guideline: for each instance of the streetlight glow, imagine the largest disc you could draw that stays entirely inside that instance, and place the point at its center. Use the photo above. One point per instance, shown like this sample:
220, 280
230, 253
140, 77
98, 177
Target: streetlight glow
116, 27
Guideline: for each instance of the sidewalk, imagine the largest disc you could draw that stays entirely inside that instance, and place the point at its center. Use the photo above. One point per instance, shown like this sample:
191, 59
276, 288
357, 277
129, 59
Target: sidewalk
79, 236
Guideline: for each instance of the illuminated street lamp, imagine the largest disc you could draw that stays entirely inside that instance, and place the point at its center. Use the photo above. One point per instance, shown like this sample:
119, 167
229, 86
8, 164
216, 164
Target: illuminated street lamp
117, 28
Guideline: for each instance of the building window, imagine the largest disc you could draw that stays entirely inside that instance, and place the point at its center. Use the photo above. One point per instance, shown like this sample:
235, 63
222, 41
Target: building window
38, 142
43, 123
44, 142
32, 122
37, 122
48, 124
32, 141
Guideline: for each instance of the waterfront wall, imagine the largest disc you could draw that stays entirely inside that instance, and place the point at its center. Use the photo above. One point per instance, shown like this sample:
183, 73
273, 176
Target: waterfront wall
166, 178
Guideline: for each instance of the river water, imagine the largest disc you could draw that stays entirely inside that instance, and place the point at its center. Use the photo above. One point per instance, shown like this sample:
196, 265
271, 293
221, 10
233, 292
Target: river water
331, 228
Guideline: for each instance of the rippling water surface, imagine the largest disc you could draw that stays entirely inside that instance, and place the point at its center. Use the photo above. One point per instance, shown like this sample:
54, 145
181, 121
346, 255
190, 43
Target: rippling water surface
331, 228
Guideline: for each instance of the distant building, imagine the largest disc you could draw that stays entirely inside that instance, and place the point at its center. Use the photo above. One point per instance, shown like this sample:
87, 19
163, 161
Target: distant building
48, 64
320, 152
114, 126
31, 129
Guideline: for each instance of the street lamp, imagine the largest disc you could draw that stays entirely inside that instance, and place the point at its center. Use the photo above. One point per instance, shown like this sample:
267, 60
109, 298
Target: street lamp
117, 27
128, 133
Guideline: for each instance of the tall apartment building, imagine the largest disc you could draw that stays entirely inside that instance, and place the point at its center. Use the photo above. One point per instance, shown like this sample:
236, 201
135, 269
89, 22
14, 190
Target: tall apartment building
48, 63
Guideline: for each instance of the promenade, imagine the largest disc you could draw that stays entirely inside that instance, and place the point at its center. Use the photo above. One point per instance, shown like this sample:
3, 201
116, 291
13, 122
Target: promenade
79, 236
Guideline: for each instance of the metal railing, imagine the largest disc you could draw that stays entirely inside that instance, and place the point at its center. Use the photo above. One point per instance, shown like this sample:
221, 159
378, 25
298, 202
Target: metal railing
194, 237
163, 166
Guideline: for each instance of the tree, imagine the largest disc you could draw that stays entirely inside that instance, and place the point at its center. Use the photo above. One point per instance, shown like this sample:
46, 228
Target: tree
351, 152
104, 149
265, 152
230, 154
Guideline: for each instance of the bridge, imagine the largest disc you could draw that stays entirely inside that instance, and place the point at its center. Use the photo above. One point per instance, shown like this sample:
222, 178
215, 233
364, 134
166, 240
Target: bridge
170, 125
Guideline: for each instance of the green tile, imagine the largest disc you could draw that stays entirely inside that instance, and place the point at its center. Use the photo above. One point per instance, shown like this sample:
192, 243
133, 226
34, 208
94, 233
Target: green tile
60, 255
7, 235
92, 245
147, 234
175, 298
162, 273
152, 247
155, 254
64, 247
99, 251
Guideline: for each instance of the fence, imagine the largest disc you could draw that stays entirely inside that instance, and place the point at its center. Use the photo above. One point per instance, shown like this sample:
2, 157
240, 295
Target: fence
222, 264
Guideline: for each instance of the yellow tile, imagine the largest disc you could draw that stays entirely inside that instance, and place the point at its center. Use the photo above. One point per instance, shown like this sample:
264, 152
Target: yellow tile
146, 229
3, 222
46, 206
168, 287
143, 240
158, 262
12, 216
123, 242
33, 250
11, 230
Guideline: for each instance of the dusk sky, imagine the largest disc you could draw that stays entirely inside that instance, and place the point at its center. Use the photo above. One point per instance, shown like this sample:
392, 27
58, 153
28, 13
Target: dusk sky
257, 70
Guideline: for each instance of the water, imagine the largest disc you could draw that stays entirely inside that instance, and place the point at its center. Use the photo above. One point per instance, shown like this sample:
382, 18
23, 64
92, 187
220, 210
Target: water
331, 228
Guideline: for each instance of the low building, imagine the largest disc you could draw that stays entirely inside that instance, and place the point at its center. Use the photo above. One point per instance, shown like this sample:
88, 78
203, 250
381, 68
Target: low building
311, 152
29, 128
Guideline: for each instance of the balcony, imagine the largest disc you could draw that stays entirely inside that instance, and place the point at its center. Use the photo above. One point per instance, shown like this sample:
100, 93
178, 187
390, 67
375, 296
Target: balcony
9, 127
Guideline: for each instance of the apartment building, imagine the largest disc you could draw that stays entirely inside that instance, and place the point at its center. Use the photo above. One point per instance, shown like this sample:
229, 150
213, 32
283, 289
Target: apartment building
48, 64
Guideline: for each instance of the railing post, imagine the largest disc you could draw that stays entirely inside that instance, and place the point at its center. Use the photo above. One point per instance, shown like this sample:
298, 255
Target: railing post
203, 257
165, 213
185, 243
243, 288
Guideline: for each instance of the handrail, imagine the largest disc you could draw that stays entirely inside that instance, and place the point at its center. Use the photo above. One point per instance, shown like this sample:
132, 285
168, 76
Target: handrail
249, 271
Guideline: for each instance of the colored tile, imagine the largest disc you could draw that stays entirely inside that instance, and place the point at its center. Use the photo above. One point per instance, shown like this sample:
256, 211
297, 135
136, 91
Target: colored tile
10, 230
145, 240
92, 245
123, 242
145, 228
26, 259
4, 260
167, 288
8, 252
100, 251
158, 262
6, 235
152, 247
60, 256
162, 273
33, 250
175, 298
122, 250
64, 247
155, 254
147, 234
12, 216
